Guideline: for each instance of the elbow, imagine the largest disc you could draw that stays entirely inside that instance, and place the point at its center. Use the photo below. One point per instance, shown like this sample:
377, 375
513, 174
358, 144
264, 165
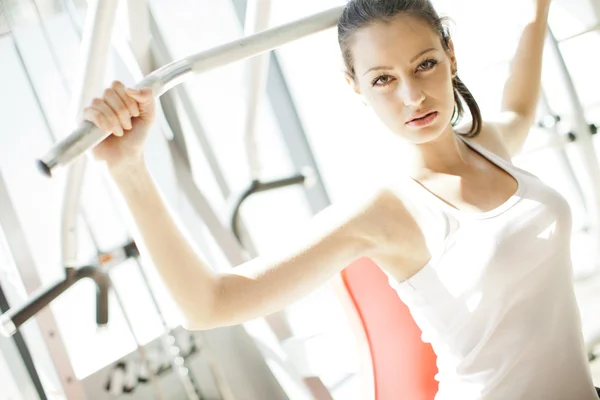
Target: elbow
201, 317
193, 323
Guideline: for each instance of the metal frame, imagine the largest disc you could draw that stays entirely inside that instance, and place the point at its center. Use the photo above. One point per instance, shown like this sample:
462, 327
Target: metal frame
587, 158
561, 151
47, 328
290, 124
23, 366
86, 136
252, 364
256, 19
50, 333
95, 46
257, 68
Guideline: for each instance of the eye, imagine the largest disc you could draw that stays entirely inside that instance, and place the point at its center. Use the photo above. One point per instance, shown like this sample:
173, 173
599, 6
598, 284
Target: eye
427, 65
382, 80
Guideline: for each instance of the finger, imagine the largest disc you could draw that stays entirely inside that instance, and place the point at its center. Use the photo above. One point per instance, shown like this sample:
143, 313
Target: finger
114, 101
97, 118
110, 115
141, 95
131, 104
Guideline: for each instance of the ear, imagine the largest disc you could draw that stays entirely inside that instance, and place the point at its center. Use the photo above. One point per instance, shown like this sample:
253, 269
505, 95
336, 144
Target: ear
353, 84
452, 55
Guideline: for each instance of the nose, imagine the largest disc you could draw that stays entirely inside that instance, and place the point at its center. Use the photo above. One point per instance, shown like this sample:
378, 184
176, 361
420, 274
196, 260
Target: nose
410, 93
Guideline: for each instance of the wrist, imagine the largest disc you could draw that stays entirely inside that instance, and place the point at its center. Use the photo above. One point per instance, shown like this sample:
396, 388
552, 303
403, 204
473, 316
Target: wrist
126, 169
542, 8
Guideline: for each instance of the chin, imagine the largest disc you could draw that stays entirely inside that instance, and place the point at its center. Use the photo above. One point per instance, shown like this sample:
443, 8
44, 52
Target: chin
420, 135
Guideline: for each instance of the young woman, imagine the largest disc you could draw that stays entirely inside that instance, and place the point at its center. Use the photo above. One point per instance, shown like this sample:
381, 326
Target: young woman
477, 248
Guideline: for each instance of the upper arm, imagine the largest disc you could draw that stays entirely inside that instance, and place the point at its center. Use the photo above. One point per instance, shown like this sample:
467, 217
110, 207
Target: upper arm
335, 238
332, 239
512, 129
505, 135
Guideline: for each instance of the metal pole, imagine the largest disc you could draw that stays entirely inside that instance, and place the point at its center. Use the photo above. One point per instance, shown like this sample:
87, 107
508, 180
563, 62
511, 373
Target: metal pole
583, 144
290, 125
561, 152
257, 20
595, 4
226, 374
86, 136
95, 45
139, 33
51, 336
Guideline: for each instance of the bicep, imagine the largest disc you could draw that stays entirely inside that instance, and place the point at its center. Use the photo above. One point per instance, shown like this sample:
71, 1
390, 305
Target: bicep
382, 223
269, 283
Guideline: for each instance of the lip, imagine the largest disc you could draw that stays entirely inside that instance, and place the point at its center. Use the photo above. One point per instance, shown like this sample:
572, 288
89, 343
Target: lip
423, 119
419, 116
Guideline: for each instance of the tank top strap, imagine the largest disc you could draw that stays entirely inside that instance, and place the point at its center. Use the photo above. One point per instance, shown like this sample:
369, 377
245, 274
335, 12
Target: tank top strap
491, 156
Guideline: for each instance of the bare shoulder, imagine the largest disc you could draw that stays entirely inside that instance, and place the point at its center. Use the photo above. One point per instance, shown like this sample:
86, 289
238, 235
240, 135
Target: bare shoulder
491, 139
394, 226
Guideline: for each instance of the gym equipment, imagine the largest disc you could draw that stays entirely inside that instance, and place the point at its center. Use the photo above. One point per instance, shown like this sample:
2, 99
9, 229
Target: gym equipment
11, 320
257, 16
583, 145
552, 127
86, 136
25, 355
402, 365
226, 371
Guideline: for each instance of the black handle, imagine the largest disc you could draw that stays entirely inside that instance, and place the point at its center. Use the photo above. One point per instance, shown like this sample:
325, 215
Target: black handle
257, 186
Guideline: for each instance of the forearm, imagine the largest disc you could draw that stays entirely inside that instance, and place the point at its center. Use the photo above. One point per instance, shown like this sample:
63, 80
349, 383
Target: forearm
521, 92
190, 281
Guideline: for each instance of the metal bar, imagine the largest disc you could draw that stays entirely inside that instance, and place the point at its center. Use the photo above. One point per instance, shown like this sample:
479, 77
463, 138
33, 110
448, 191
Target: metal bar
562, 154
584, 32
95, 45
595, 4
295, 137
58, 357
583, 144
19, 248
257, 20
19, 54
299, 151
290, 125
86, 136
222, 371
256, 187
139, 33
51, 48
13, 319
24, 352
162, 56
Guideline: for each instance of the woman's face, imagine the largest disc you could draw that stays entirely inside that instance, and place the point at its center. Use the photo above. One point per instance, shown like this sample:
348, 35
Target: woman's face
404, 73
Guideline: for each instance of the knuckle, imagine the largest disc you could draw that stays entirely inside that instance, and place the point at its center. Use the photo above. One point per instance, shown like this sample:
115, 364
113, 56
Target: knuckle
102, 122
96, 102
108, 92
122, 110
116, 85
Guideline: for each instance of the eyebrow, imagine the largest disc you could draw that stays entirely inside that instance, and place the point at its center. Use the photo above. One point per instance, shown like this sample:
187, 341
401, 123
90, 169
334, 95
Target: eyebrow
411, 61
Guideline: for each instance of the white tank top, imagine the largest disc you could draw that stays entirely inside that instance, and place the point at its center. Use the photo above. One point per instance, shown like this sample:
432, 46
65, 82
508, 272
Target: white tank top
497, 300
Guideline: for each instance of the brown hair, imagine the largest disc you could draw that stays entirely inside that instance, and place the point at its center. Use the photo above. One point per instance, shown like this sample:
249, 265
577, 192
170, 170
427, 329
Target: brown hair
358, 13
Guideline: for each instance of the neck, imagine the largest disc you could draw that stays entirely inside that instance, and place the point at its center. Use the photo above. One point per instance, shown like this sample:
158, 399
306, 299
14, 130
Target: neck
446, 154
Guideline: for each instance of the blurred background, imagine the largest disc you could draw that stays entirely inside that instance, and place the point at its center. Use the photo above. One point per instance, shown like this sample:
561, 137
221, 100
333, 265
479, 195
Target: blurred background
308, 117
